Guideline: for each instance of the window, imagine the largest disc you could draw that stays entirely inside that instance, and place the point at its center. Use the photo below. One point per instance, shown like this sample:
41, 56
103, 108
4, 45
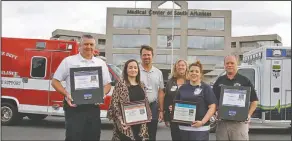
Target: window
248, 44
165, 59
130, 41
206, 23
206, 42
116, 70
240, 57
257, 44
233, 44
162, 41
101, 41
249, 73
121, 59
38, 67
166, 22
131, 22
204, 59
111, 76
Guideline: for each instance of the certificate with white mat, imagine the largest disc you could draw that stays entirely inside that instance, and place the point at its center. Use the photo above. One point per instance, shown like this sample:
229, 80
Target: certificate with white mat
234, 103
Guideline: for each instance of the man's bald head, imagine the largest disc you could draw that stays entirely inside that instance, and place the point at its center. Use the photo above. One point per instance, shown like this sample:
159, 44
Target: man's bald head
230, 64
228, 57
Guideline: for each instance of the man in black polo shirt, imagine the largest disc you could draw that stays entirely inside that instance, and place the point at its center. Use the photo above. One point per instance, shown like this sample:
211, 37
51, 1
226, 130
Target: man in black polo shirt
233, 130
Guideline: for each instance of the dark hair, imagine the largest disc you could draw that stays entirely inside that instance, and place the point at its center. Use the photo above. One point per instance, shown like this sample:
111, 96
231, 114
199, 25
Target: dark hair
197, 64
125, 73
146, 47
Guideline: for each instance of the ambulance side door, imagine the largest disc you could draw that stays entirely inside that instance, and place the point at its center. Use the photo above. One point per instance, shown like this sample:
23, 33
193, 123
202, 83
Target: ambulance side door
36, 81
55, 98
253, 75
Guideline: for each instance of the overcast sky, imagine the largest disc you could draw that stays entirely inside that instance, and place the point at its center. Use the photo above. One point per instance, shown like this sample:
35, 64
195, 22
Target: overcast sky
38, 19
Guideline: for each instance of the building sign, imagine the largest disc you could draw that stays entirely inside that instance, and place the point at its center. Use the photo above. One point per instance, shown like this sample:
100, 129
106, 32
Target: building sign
169, 12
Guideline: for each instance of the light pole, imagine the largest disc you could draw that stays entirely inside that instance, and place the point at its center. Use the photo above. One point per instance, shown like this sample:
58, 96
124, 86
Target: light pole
172, 36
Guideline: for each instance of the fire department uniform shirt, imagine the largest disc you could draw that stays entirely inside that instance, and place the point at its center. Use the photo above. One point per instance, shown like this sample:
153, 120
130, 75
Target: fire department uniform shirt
63, 71
238, 80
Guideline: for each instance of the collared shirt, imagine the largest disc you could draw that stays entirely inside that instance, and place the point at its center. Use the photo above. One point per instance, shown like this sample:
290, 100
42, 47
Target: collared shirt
238, 80
63, 71
153, 81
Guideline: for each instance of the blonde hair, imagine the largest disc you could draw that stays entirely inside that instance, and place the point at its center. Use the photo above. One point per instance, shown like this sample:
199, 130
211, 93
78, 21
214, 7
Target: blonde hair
174, 72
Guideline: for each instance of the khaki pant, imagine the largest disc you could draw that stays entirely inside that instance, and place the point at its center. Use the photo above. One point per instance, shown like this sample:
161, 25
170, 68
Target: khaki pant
232, 130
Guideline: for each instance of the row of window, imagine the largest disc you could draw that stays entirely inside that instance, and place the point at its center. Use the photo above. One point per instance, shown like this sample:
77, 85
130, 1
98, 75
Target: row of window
38, 64
198, 42
138, 22
257, 44
120, 59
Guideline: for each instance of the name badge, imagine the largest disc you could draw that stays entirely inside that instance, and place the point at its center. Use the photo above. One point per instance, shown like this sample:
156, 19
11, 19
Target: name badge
197, 91
173, 88
148, 89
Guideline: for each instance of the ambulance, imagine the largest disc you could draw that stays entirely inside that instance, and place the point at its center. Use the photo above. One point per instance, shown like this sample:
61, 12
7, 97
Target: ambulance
28, 66
269, 70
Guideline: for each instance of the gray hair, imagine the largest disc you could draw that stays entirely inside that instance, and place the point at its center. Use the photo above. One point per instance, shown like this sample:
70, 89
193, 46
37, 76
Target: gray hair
85, 36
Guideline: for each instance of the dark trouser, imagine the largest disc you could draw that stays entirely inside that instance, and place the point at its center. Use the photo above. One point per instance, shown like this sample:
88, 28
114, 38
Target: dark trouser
152, 126
175, 131
82, 123
152, 129
194, 135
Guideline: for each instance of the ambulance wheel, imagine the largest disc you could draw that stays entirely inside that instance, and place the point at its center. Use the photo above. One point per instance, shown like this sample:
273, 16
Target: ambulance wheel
36, 117
9, 114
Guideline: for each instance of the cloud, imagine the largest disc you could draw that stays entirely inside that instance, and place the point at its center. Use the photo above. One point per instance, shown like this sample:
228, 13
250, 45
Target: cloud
38, 19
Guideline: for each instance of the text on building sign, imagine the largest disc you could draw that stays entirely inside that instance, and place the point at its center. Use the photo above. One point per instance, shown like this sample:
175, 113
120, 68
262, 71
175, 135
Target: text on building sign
169, 13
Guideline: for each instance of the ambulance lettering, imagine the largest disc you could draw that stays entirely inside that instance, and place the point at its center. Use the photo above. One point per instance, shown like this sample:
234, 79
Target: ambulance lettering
9, 55
9, 73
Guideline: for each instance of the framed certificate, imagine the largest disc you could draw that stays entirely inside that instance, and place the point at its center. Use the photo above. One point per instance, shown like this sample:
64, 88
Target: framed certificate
135, 113
184, 112
86, 85
234, 103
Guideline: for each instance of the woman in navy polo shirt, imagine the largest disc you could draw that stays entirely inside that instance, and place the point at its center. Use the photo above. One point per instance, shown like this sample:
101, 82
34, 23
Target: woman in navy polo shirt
201, 93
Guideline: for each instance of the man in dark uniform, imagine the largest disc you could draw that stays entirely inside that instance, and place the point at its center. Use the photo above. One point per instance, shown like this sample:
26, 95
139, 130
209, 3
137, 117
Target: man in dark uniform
233, 130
